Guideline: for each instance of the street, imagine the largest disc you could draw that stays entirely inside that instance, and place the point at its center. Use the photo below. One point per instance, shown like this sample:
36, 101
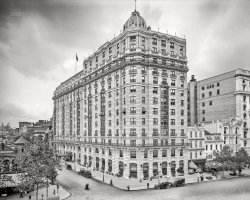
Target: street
229, 189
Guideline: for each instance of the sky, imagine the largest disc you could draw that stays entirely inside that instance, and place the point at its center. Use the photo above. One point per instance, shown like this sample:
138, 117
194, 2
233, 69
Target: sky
39, 41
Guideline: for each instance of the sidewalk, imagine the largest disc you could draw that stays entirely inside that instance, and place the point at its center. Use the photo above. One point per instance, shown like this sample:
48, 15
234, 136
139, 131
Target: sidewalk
61, 192
135, 184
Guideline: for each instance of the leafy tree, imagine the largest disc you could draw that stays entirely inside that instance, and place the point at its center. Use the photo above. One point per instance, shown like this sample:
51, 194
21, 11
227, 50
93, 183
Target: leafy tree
38, 164
240, 159
223, 159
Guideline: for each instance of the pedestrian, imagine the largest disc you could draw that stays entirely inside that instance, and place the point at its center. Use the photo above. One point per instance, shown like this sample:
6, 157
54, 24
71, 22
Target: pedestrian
128, 187
147, 185
21, 194
29, 196
87, 186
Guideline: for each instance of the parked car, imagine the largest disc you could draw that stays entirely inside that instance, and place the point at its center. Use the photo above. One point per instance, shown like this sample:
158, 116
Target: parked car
163, 185
69, 167
178, 182
233, 173
85, 173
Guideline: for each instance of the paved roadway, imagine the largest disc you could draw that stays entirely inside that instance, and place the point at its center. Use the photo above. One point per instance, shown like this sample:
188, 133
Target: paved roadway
227, 189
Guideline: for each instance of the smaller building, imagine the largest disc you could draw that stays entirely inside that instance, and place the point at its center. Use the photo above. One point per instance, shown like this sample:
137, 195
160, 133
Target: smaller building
231, 131
196, 150
213, 143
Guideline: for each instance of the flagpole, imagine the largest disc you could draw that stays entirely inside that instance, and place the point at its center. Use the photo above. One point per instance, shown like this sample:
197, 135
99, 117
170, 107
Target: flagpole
75, 66
76, 63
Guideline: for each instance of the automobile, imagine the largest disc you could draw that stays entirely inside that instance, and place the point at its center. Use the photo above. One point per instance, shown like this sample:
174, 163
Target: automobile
163, 185
69, 167
233, 173
85, 173
178, 182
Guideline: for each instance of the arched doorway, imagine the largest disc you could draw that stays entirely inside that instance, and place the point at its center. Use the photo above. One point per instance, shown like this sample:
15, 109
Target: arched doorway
97, 163
109, 166
85, 159
164, 166
145, 170
173, 166
155, 168
133, 170
121, 168
90, 161
103, 164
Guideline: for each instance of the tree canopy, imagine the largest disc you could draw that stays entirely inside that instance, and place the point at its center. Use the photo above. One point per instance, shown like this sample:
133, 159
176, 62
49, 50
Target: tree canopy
37, 163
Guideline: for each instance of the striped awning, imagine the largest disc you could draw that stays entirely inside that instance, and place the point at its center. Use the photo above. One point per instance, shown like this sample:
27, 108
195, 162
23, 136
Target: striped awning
192, 165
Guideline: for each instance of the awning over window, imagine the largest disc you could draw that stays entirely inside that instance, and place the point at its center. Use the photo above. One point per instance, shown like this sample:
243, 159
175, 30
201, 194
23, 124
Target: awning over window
192, 165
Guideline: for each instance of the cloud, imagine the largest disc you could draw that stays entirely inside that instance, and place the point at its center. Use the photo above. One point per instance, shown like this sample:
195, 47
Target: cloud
39, 40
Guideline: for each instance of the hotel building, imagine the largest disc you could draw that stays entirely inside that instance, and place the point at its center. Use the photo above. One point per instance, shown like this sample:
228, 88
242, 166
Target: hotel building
125, 112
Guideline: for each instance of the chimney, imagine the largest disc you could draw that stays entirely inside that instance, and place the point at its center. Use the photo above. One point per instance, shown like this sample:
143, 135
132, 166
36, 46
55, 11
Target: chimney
192, 78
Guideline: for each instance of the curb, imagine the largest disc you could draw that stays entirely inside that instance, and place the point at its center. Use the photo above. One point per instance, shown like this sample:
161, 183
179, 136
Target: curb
67, 191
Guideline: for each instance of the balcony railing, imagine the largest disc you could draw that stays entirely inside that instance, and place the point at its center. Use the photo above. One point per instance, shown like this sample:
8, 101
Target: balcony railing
133, 71
125, 145
155, 73
173, 75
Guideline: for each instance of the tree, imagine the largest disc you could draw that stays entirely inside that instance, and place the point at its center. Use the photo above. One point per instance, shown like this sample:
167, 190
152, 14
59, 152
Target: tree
240, 159
38, 164
223, 159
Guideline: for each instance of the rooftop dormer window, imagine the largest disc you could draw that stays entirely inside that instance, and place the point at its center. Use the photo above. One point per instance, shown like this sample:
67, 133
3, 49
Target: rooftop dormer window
132, 38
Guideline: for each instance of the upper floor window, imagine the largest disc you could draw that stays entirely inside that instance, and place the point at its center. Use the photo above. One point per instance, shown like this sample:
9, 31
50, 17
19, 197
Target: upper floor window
172, 45
154, 42
163, 43
132, 38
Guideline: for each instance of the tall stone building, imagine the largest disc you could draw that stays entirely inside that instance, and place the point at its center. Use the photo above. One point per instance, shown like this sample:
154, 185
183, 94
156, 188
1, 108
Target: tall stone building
125, 112
225, 97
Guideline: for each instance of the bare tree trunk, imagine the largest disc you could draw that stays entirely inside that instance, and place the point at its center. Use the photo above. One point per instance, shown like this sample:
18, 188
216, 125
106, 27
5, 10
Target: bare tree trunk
37, 192
47, 187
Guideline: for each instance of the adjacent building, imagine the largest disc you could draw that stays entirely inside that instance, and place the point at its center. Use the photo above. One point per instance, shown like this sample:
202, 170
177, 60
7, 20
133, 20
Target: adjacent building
213, 143
125, 112
225, 97
196, 149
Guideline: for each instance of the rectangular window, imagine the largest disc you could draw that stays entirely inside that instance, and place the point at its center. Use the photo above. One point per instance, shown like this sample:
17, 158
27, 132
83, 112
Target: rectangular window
155, 111
155, 90
143, 121
172, 45
172, 121
133, 99
163, 43
164, 153
172, 92
143, 79
154, 42
143, 100
143, 89
132, 38
155, 153
155, 100
132, 110
155, 121
155, 80
172, 102
132, 88
132, 121
132, 154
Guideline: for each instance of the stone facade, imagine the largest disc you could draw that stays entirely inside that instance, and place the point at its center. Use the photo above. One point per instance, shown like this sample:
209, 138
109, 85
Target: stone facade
125, 112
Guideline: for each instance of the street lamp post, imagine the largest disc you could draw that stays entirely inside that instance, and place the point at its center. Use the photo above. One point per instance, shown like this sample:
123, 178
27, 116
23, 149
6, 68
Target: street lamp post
103, 175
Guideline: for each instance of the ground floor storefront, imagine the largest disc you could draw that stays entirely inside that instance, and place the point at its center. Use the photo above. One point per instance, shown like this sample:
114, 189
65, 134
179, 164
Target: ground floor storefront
139, 163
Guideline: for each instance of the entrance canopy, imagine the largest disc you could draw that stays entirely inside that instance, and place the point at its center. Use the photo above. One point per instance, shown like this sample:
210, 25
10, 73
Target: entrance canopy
192, 165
